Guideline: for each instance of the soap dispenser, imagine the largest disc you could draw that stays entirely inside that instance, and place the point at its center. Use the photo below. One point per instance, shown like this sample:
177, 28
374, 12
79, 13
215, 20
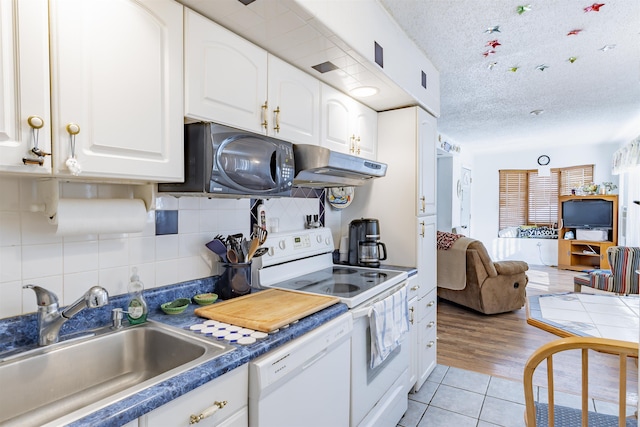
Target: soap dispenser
137, 309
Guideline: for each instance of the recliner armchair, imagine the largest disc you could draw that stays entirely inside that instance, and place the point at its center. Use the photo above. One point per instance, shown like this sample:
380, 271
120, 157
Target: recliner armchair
623, 276
491, 287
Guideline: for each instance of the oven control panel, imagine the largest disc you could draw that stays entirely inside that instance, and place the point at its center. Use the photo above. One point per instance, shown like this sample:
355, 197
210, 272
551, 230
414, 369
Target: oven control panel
283, 247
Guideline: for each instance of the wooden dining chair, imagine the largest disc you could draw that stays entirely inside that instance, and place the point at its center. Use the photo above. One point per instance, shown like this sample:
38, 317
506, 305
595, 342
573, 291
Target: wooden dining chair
543, 415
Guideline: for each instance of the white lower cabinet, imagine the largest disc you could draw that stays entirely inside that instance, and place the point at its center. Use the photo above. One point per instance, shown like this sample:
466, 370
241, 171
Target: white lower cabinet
232, 388
426, 348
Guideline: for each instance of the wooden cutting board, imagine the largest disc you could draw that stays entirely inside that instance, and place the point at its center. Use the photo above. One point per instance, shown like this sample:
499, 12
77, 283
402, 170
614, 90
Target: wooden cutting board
266, 310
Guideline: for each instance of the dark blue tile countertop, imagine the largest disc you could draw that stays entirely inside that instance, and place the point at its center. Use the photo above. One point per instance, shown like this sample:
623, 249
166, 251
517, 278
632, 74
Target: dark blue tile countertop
19, 334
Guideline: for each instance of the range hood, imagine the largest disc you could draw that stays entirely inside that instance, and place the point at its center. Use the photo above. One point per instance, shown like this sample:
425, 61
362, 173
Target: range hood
319, 167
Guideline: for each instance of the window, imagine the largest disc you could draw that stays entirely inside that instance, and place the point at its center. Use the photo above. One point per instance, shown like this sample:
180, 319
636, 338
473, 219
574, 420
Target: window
529, 199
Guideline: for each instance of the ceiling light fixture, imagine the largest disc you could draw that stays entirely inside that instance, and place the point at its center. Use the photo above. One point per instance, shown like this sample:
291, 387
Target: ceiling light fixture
536, 112
364, 91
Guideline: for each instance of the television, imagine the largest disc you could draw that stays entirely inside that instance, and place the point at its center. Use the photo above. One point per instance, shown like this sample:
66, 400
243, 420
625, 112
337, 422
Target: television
591, 213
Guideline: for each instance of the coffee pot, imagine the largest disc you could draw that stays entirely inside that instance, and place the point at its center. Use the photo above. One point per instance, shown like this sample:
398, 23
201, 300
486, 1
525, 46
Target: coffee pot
365, 248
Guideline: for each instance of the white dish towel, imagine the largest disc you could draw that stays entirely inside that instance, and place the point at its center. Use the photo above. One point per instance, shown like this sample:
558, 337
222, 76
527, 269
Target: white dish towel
388, 321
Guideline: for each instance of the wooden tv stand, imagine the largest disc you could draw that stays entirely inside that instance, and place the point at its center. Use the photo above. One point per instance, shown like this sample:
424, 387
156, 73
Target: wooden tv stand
580, 255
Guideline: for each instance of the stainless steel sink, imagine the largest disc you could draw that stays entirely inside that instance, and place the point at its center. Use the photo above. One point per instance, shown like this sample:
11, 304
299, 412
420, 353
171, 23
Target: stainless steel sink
84, 375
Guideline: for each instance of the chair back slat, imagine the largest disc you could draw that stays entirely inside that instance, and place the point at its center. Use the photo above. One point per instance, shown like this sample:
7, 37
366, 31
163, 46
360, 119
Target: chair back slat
623, 349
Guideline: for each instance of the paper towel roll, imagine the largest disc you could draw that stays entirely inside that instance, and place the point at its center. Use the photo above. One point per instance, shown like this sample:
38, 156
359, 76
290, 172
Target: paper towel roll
95, 216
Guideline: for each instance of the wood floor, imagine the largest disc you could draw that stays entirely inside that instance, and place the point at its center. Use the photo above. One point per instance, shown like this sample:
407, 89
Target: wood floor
499, 345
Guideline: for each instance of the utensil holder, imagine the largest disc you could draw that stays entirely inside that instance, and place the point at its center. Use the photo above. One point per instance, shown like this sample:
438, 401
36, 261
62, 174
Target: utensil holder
235, 280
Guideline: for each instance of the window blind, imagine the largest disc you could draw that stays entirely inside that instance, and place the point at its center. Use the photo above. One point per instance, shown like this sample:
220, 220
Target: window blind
575, 177
513, 198
529, 199
543, 199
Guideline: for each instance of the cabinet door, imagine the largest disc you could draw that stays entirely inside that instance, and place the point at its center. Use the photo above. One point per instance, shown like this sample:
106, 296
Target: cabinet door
225, 76
335, 120
24, 48
427, 131
366, 131
232, 387
427, 307
125, 93
426, 254
294, 104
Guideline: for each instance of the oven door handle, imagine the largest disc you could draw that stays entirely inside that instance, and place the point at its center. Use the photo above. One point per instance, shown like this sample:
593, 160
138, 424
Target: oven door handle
361, 312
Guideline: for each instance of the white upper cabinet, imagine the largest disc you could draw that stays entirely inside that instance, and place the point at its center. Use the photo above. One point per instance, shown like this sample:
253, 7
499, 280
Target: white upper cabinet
294, 103
116, 76
24, 49
427, 163
346, 125
231, 81
225, 76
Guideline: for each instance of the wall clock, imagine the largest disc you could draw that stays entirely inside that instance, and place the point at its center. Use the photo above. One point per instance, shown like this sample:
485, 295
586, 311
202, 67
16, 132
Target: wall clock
543, 160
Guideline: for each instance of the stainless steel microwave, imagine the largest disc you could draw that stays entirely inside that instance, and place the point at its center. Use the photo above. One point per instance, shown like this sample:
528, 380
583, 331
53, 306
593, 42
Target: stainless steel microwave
220, 160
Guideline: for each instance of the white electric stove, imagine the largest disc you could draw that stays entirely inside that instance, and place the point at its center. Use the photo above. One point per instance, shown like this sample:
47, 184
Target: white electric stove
302, 261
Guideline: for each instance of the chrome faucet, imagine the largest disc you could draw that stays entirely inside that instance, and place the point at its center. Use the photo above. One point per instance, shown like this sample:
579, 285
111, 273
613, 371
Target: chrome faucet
50, 319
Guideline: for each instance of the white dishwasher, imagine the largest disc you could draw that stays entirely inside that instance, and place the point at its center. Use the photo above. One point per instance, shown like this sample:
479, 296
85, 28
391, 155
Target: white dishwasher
304, 382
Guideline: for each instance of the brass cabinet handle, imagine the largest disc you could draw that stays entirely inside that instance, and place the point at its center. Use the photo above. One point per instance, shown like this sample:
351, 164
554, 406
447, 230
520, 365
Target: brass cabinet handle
422, 232
430, 324
415, 288
431, 343
423, 204
35, 122
431, 303
352, 144
358, 145
276, 115
194, 419
265, 107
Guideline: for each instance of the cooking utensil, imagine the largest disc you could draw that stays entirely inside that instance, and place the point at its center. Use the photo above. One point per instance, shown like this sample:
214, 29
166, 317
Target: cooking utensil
232, 256
260, 233
218, 247
260, 252
253, 247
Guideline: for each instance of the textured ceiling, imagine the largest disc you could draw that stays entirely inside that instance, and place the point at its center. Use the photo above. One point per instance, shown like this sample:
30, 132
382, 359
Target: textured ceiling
594, 100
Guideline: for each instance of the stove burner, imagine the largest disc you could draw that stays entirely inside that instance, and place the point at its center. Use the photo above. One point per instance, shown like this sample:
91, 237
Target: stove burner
337, 270
375, 274
344, 288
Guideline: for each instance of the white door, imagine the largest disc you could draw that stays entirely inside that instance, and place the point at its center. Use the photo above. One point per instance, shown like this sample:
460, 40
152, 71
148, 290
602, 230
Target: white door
427, 131
117, 75
24, 48
465, 202
294, 104
225, 76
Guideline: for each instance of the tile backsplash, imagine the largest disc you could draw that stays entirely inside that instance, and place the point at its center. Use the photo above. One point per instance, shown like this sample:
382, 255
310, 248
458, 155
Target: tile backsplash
31, 252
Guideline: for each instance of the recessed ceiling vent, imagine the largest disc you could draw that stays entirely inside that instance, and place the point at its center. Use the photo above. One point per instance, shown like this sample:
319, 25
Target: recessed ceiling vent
325, 67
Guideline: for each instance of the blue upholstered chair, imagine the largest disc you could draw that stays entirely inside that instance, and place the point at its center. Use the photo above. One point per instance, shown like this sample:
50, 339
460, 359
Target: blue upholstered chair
623, 276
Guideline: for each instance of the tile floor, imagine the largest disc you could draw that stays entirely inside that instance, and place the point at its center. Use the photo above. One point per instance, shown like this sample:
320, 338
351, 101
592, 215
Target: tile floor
461, 398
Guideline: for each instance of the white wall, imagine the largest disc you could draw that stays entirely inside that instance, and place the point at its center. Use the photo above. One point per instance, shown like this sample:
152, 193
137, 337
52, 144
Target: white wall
484, 195
30, 252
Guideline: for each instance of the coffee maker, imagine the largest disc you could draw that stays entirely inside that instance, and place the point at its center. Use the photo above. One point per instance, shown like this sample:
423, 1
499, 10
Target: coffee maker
365, 248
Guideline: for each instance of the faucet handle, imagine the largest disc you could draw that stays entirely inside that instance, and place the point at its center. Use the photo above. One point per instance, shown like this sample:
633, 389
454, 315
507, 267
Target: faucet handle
117, 315
44, 297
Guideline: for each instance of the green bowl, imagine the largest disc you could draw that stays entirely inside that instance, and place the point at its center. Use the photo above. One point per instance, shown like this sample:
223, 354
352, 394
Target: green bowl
205, 299
175, 307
